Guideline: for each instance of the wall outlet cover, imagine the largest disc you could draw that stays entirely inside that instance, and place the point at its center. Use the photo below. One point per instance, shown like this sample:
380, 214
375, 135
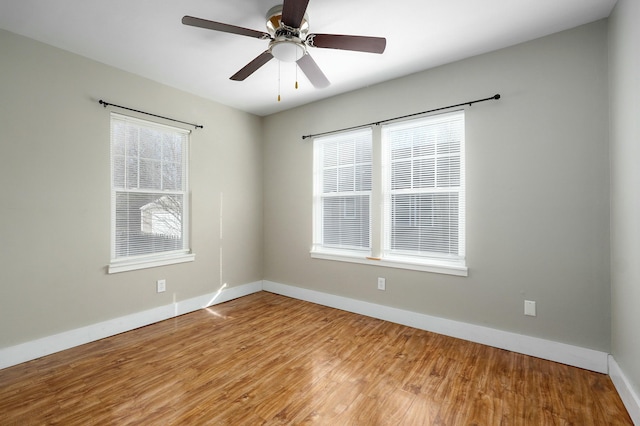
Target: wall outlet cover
530, 308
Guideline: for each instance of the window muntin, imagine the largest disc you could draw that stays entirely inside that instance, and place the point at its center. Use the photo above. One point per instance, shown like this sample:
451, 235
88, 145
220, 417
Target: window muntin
149, 192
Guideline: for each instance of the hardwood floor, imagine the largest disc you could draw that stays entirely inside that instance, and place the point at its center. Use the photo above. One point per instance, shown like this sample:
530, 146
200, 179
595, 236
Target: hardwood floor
268, 359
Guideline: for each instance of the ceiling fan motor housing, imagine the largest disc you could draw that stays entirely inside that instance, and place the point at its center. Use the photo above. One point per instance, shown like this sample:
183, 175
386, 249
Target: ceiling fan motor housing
287, 43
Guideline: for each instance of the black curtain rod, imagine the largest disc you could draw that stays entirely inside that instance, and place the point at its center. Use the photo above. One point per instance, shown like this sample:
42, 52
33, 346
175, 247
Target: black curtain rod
106, 104
377, 123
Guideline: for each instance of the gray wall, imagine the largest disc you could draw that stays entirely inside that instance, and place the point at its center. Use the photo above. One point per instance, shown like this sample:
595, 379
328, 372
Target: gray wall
55, 193
624, 72
537, 190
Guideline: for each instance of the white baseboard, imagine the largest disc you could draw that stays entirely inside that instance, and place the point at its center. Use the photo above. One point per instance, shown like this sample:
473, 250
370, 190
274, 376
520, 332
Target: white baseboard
572, 355
629, 396
554, 351
588, 359
28, 351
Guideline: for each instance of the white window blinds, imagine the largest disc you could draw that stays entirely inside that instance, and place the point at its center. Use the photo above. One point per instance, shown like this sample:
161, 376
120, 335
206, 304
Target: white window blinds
423, 188
149, 191
342, 192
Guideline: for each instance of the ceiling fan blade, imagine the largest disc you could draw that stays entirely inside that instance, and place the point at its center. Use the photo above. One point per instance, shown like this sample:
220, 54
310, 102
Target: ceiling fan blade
252, 66
219, 26
293, 12
348, 42
312, 71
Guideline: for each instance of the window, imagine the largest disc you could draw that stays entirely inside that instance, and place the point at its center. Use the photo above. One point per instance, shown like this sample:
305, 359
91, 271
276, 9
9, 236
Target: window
343, 193
149, 194
423, 187
421, 224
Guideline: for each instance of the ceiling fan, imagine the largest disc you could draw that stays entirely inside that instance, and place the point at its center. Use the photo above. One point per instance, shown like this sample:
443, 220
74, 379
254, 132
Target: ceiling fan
288, 35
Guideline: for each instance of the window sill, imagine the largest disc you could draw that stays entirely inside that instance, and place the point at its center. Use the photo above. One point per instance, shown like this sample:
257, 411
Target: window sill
435, 266
142, 263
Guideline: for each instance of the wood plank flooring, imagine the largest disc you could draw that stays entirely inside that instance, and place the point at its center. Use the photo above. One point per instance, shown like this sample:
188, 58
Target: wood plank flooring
268, 359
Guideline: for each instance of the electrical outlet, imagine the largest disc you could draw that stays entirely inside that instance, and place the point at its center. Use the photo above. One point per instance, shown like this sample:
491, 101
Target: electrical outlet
161, 285
382, 283
530, 308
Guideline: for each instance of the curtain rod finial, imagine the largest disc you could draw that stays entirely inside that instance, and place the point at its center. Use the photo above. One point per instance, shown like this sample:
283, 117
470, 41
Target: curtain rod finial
497, 96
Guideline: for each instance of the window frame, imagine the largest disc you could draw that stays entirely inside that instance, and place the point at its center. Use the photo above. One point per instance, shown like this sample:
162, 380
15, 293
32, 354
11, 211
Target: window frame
379, 214
155, 259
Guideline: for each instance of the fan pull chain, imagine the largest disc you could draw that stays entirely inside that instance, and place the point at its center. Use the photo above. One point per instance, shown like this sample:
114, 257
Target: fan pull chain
296, 65
278, 81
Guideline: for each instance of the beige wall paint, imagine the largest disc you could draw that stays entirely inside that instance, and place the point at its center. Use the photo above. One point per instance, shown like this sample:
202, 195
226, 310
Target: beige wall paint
55, 193
537, 182
624, 87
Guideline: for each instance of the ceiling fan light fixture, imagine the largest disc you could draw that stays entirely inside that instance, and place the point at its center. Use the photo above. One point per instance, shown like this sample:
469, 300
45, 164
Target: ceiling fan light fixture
287, 51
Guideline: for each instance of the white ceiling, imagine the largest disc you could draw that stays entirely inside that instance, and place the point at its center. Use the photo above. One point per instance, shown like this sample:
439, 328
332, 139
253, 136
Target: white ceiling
146, 37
